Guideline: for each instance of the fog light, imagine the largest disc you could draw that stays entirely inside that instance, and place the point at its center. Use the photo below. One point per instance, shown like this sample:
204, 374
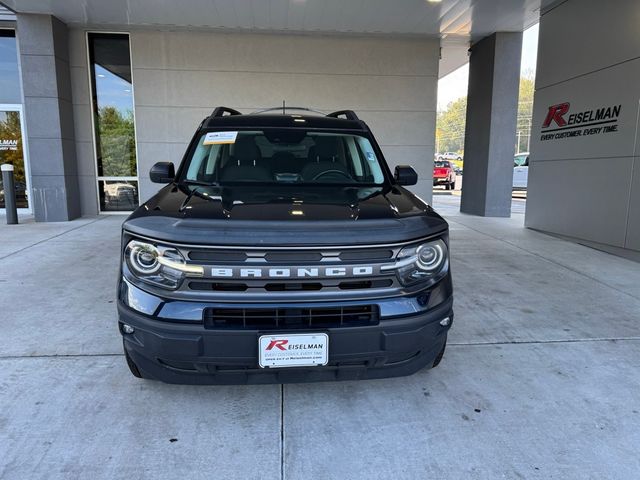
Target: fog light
129, 329
444, 322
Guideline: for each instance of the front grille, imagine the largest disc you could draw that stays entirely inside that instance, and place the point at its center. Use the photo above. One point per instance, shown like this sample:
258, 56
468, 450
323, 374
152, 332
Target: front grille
217, 256
290, 318
367, 254
290, 257
290, 286
286, 258
300, 286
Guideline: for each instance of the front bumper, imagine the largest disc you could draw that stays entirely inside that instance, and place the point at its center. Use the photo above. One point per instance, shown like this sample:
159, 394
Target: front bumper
188, 353
440, 180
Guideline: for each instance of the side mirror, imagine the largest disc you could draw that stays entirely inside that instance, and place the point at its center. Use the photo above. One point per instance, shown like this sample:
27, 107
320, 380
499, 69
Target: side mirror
162, 172
405, 175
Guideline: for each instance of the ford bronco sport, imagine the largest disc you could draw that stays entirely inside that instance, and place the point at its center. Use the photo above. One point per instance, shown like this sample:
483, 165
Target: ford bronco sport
283, 250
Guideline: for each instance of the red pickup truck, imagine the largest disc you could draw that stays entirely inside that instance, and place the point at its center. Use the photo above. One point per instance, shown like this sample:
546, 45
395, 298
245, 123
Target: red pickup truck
443, 174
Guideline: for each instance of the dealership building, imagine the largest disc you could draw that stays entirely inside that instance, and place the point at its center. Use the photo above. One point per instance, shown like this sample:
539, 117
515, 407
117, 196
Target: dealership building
93, 93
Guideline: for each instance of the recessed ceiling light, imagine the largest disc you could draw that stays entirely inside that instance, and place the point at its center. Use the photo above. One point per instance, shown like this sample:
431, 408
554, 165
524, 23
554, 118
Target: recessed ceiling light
434, 1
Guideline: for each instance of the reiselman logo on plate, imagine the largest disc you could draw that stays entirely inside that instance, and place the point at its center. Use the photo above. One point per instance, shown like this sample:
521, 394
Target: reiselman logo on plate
561, 123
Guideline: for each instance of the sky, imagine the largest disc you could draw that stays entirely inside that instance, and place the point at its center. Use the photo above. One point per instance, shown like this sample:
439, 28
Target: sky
454, 85
113, 91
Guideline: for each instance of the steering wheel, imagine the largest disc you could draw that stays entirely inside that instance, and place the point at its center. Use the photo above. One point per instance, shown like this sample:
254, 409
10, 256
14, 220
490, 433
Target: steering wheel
332, 172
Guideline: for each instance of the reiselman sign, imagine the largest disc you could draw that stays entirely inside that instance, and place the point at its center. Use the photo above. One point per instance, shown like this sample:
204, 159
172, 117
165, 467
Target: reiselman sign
560, 123
10, 144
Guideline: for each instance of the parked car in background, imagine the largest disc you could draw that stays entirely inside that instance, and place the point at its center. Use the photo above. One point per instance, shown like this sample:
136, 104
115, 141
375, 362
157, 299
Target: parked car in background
449, 156
520, 171
444, 174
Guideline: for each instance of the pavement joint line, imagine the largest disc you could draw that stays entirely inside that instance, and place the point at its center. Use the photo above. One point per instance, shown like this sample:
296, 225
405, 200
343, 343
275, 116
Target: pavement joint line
449, 344
554, 262
61, 355
51, 238
282, 470
543, 342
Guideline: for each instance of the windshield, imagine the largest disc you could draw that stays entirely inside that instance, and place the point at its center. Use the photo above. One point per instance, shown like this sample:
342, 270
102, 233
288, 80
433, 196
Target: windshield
440, 164
278, 156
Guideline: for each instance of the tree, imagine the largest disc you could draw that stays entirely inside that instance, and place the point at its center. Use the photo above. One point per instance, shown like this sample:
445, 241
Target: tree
450, 127
525, 112
116, 142
450, 124
10, 130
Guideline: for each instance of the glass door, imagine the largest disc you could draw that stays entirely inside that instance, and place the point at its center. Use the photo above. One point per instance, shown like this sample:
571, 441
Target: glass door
12, 151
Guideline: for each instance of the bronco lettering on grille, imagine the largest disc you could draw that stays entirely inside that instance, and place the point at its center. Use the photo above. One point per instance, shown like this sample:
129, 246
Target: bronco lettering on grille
301, 272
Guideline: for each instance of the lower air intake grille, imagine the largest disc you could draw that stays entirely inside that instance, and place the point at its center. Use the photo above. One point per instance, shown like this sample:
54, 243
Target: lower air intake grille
290, 318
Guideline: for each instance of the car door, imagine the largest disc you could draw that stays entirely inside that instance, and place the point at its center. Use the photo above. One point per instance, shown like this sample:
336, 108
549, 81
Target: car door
452, 174
521, 172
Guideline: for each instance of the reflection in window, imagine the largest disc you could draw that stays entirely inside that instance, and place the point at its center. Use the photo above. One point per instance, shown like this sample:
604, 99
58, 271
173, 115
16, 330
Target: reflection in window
118, 195
11, 152
9, 77
114, 121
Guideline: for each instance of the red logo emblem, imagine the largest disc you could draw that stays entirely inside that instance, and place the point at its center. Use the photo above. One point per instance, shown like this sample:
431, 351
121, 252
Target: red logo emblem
277, 344
556, 114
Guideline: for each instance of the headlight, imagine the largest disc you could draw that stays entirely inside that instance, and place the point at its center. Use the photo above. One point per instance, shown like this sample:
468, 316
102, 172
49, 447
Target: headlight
158, 265
143, 258
427, 262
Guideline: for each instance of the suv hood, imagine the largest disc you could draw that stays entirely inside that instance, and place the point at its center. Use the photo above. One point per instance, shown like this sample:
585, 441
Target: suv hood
284, 215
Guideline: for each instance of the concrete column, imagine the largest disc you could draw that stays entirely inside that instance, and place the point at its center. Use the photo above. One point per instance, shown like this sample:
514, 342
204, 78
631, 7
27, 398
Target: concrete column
490, 136
46, 86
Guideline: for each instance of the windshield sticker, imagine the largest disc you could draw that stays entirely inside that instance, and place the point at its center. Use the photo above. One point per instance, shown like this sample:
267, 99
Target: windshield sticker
371, 157
220, 138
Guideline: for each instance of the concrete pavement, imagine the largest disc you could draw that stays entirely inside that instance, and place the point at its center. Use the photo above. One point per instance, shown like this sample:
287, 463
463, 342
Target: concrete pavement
539, 379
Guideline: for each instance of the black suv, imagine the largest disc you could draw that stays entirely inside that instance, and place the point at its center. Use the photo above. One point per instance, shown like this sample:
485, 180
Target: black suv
283, 250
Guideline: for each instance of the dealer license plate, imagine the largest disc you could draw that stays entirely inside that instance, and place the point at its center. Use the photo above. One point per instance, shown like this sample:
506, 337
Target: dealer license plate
293, 350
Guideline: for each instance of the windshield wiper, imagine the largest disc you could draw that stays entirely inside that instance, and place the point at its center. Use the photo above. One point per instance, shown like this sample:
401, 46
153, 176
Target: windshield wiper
198, 182
194, 192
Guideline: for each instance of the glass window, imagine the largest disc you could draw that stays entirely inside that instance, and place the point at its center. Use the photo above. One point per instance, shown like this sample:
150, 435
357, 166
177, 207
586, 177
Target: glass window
10, 89
279, 156
114, 121
118, 195
11, 152
521, 160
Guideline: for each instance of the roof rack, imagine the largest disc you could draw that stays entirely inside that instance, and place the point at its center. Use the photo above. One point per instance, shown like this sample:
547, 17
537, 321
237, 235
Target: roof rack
283, 109
220, 111
348, 114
